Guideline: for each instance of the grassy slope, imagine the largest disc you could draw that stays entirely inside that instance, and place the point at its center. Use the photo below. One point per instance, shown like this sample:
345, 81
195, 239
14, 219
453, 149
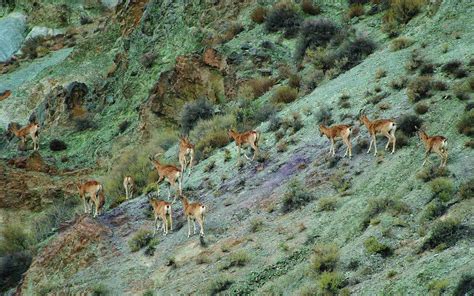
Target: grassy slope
394, 176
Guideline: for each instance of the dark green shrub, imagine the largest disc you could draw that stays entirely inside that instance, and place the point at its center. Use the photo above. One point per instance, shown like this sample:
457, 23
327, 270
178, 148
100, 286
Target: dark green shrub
12, 267
373, 246
442, 188
195, 111
427, 69
285, 94
433, 210
401, 43
283, 18
315, 33
419, 89
421, 108
467, 190
325, 257
466, 124
439, 85
399, 83
331, 282
451, 67
327, 203
379, 205
429, 173
465, 285
83, 124
443, 232
408, 124
123, 126
140, 240
57, 145
295, 196
220, 284
351, 53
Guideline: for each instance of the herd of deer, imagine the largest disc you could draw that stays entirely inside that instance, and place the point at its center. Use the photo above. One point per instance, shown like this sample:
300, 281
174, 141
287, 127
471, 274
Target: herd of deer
92, 193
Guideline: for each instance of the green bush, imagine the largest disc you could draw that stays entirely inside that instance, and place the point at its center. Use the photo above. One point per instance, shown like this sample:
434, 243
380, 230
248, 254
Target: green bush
419, 88
467, 190
331, 282
401, 43
327, 203
433, 210
315, 33
437, 287
442, 188
14, 239
219, 284
48, 222
195, 111
256, 224
443, 232
236, 259
399, 83
379, 205
465, 285
373, 246
295, 196
285, 94
429, 173
283, 17
325, 257
466, 124
140, 240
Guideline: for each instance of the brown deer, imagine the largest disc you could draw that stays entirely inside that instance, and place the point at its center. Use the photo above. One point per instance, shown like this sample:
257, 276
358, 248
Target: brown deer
31, 130
91, 192
434, 144
250, 137
193, 211
186, 155
335, 132
386, 127
129, 186
162, 210
168, 172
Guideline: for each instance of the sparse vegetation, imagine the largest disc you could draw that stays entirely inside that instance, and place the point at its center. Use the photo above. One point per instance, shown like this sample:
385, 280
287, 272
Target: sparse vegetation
465, 285
256, 224
377, 206
443, 232
437, 287
373, 246
439, 85
399, 83
433, 210
325, 257
442, 188
140, 240
430, 173
401, 12
195, 111
466, 124
219, 284
401, 42
331, 282
419, 89
261, 85
295, 196
467, 190
327, 203
380, 73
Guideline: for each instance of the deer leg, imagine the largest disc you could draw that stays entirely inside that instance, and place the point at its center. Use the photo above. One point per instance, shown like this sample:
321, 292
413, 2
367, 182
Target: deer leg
427, 152
155, 226
194, 226
394, 140
201, 226
189, 226
165, 225
171, 222
370, 144
389, 140
375, 144
126, 192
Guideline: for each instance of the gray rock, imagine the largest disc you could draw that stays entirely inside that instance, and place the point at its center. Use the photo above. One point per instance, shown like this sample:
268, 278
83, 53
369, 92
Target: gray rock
12, 28
43, 31
110, 3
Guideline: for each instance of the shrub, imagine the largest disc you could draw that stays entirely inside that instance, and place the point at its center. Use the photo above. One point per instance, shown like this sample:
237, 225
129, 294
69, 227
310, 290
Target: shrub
256, 224
402, 139
83, 124
462, 91
212, 134
353, 52
239, 258
123, 126
379, 205
261, 85
416, 60
140, 240
439, 85
352, 2
323, 115
421, 108
380, 73
294, 81
315, 33
30, 47
401, 43
399, 83
409, 123
433, 210
419, 88
465, 285
437, 287
220, 284
49, 221
467, 190
402, 11
430, 173
258, 15
443, 188
195, 111
283, 17
373, 246
57, 145
355, 10
443, 232
325, 257
285, 94
451, 67
327, 203
295, 196
331, 282
14, 239
308, 7
466, 124
147, 59
12, 267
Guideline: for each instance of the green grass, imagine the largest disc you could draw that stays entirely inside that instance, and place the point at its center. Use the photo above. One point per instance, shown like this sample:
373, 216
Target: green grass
373, 246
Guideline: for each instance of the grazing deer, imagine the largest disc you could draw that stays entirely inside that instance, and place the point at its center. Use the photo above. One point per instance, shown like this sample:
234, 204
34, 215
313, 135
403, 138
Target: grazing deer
128, 185
385, 127
435, 144
31, 130
250, 137
186, 155
193, 211
168, 172
91, 192
342, 131
162, 210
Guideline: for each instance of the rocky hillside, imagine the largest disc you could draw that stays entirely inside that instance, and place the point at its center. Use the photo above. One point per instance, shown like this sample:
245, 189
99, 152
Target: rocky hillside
113, 82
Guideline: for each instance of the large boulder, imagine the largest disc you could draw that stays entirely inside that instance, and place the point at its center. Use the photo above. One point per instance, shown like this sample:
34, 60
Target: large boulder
12, 28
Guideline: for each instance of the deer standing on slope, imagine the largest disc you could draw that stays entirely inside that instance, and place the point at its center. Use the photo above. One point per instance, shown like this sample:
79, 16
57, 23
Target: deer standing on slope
193, 211
31, 130
434, 144
91, 192
128, 185
185, 156
168, 172
335, 132
250, 137
162, 210
386, 127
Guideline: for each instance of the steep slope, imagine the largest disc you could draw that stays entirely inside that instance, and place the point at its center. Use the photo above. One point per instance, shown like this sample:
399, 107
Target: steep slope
252, 244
